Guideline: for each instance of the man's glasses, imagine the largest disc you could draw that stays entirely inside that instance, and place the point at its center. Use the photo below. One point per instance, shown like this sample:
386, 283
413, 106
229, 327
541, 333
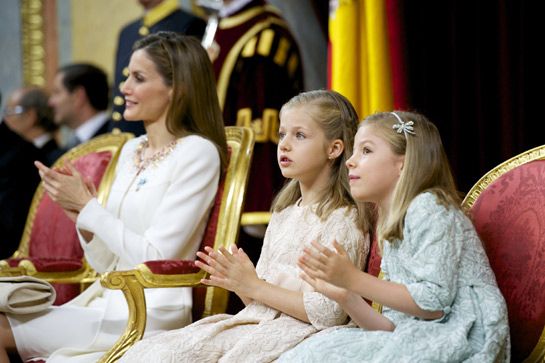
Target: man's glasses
13, 111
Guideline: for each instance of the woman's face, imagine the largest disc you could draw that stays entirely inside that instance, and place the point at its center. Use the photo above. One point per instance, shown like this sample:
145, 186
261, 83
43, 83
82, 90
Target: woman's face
147, 97
373, 168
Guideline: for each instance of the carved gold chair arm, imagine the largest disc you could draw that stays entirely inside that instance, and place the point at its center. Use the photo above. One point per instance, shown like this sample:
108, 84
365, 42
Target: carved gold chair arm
132, 283
83, 275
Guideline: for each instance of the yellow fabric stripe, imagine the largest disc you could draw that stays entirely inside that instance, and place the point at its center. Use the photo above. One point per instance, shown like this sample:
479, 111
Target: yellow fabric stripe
160, 12
360, 67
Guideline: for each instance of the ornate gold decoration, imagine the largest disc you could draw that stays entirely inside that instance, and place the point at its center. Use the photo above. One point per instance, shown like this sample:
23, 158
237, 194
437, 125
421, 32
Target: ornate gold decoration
133, 282
33, 42
251, 218
537, 153
265, 42
243, 17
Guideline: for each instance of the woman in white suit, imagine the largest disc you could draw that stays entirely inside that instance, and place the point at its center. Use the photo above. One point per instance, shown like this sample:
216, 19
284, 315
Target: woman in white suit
160, 200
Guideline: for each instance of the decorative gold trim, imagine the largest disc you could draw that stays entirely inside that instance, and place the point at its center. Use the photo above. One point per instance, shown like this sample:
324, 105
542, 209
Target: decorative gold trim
375, 305
132, 283
33, 42
252, 218
159, 12
249, 49
282, 52
537, 153
232, 56
265, 42
236, 20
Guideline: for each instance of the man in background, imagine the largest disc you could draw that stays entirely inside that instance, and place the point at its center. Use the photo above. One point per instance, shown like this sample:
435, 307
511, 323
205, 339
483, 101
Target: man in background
158, 15
79, 100
29, 115
18, 181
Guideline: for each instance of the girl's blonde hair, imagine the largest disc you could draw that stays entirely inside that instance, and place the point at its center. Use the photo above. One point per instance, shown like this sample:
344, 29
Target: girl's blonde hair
425, 168
338, 119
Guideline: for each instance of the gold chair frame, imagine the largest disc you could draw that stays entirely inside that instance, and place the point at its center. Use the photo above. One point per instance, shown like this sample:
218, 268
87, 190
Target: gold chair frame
537, 153
133, 282
112, 142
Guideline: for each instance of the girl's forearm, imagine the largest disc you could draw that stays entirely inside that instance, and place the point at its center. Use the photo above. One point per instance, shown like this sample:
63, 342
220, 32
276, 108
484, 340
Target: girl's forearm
391, 294
364, 315
287, 301
245, 300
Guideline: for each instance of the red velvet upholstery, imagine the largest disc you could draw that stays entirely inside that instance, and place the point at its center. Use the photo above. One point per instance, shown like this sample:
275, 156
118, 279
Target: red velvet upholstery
53, 244
510, 219
374, 258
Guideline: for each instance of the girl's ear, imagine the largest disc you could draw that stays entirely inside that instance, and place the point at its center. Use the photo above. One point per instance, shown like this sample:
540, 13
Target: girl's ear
401, 163
336, 148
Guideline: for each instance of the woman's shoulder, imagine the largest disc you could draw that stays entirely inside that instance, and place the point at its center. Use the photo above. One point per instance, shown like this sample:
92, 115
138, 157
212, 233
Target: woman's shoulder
195, 143
195, 148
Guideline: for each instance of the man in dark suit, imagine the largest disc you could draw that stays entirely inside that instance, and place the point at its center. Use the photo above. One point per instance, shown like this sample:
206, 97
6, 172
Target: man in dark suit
79, 100
29, 115
18, 181
159, 15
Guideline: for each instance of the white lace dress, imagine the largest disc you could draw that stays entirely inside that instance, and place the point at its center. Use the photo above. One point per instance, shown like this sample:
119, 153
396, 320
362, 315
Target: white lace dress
259, 333
444, 266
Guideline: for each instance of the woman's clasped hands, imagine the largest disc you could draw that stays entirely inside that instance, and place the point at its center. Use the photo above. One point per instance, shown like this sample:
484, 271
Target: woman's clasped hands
67, 187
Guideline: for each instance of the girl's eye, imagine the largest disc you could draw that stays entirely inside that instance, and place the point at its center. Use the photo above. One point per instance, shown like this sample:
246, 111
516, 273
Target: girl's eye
281, 135
300, 135
366, 150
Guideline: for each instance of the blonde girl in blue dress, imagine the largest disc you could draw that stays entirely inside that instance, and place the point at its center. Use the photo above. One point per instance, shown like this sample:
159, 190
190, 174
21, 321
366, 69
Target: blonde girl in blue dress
439, 295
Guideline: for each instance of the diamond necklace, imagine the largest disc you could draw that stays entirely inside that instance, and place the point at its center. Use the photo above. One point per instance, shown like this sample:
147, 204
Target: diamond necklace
142, 163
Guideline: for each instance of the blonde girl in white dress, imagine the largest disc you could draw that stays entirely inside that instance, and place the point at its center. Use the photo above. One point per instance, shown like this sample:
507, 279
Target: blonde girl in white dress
159, 203
315, 138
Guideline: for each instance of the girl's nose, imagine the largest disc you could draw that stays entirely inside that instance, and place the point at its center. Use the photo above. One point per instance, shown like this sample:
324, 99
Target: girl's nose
350, 162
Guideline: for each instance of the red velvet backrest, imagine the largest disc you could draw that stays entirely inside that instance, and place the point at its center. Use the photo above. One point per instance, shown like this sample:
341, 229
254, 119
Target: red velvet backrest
199, 293
374, 258
509, 216
53, 233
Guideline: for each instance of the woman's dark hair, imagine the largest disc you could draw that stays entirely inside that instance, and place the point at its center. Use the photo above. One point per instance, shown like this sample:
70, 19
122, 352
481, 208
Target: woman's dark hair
184, 65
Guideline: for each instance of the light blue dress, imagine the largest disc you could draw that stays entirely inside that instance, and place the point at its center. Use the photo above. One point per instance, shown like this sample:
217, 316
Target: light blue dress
443, 264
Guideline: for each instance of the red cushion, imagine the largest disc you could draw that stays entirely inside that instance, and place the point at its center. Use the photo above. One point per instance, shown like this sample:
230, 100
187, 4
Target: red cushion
56, 264
172, 267
510, 219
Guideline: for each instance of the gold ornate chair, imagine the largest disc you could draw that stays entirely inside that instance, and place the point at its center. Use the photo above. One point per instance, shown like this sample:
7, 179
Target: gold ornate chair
49, 248
507, 206
222, 230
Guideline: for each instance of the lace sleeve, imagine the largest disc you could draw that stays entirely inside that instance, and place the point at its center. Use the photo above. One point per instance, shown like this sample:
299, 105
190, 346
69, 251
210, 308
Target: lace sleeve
322, 311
